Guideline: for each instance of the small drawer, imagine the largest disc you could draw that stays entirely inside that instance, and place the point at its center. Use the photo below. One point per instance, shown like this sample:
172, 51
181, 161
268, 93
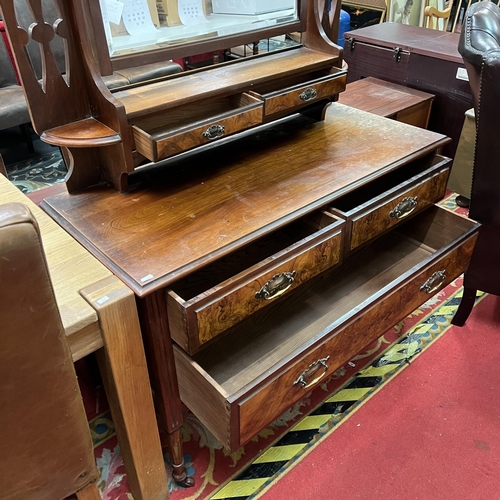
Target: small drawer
182, 128
373, 210
301, 91
206, 303
239, 386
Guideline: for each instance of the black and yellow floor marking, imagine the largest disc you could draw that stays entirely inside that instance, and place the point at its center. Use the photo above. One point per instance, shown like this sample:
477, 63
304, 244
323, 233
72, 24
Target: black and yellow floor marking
338, 406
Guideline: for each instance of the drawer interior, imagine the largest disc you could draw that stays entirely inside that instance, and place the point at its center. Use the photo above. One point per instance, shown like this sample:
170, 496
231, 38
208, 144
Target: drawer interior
252, 254
274, 335
175, 119
366, 194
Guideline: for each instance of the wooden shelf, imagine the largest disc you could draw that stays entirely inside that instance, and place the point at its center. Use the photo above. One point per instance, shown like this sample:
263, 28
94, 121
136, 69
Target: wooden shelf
86, 133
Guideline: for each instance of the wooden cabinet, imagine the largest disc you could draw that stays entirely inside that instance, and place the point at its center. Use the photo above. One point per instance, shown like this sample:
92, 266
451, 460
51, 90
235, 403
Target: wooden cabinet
273, 260
419, 58
279, 233
391, 100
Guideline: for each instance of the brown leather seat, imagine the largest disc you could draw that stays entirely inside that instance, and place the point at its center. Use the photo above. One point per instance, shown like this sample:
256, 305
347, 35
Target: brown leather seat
46, 450
480, 48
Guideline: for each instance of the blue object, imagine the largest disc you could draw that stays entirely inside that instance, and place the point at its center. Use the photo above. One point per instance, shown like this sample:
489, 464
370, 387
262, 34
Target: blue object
344, 25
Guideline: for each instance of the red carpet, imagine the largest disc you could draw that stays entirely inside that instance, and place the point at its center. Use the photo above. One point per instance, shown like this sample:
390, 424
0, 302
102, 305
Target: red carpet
433, 433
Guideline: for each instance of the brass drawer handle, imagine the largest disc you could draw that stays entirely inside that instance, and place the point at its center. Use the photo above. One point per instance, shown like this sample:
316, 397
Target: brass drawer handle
276, 286
405, 207
214, 132
434, 282
308, 95
311, 370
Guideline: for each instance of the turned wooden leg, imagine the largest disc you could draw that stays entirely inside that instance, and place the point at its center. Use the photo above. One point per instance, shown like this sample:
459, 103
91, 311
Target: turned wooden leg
156, 333
179, 472
123, 367
465, 307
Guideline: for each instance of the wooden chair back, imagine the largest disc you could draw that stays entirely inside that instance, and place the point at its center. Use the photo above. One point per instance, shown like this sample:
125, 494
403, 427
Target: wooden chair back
437, 19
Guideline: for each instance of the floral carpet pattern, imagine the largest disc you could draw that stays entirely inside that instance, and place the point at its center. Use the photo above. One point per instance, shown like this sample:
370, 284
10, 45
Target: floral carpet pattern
37, 173
244, 474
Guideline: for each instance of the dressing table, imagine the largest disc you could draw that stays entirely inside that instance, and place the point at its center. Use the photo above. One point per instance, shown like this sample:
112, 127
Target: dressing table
269, 233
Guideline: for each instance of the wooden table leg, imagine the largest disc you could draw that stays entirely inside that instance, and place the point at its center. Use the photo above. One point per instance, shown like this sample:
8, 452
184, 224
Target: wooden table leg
124, 371
156, 333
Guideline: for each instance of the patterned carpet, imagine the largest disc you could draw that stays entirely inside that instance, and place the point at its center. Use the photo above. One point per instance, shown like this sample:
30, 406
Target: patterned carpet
30, 170
248, 472
37, 173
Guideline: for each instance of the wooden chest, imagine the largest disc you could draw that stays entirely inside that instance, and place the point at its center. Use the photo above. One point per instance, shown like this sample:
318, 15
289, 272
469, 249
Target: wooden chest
420, 58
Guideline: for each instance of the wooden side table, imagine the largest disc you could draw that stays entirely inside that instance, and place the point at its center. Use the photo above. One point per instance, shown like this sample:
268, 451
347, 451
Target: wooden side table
99, 314
390, 100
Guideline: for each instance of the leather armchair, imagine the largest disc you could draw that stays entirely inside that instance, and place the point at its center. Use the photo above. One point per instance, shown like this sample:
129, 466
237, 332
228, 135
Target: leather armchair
46, 450
479, 46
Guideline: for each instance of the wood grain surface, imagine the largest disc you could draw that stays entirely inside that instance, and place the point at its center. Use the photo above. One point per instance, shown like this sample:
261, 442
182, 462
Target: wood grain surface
335, 315
64, 254
146, 99
205, 207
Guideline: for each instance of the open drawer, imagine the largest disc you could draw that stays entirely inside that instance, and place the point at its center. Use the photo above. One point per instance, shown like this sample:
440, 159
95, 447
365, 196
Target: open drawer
282, 96
374, 209
242, 383
179, 129
208, 302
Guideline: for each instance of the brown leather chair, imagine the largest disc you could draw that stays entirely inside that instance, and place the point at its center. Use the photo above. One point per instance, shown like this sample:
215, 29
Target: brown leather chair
46, 450
480, 49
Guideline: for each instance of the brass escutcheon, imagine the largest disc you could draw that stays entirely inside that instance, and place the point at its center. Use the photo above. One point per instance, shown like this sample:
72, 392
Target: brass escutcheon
405, 207
434, 282
311, 370
214, 132
276, 286
308, 95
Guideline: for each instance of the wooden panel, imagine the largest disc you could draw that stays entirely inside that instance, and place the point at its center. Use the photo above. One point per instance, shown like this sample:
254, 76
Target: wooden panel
390, 100
290, 99
379, 219
251, 188
438, 44
220, 314
266, 405
227, 79
369, 60
453, 95
177, 130
195, 137
203, 396
417, 115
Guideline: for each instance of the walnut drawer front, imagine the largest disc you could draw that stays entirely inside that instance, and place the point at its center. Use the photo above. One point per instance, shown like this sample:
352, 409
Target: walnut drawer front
207, 303
375, 212
179, 129
239, 386
300, 92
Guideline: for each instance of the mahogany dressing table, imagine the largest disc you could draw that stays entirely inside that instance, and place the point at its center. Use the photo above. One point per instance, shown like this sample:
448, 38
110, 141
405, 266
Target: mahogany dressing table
268, 233
273, 260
